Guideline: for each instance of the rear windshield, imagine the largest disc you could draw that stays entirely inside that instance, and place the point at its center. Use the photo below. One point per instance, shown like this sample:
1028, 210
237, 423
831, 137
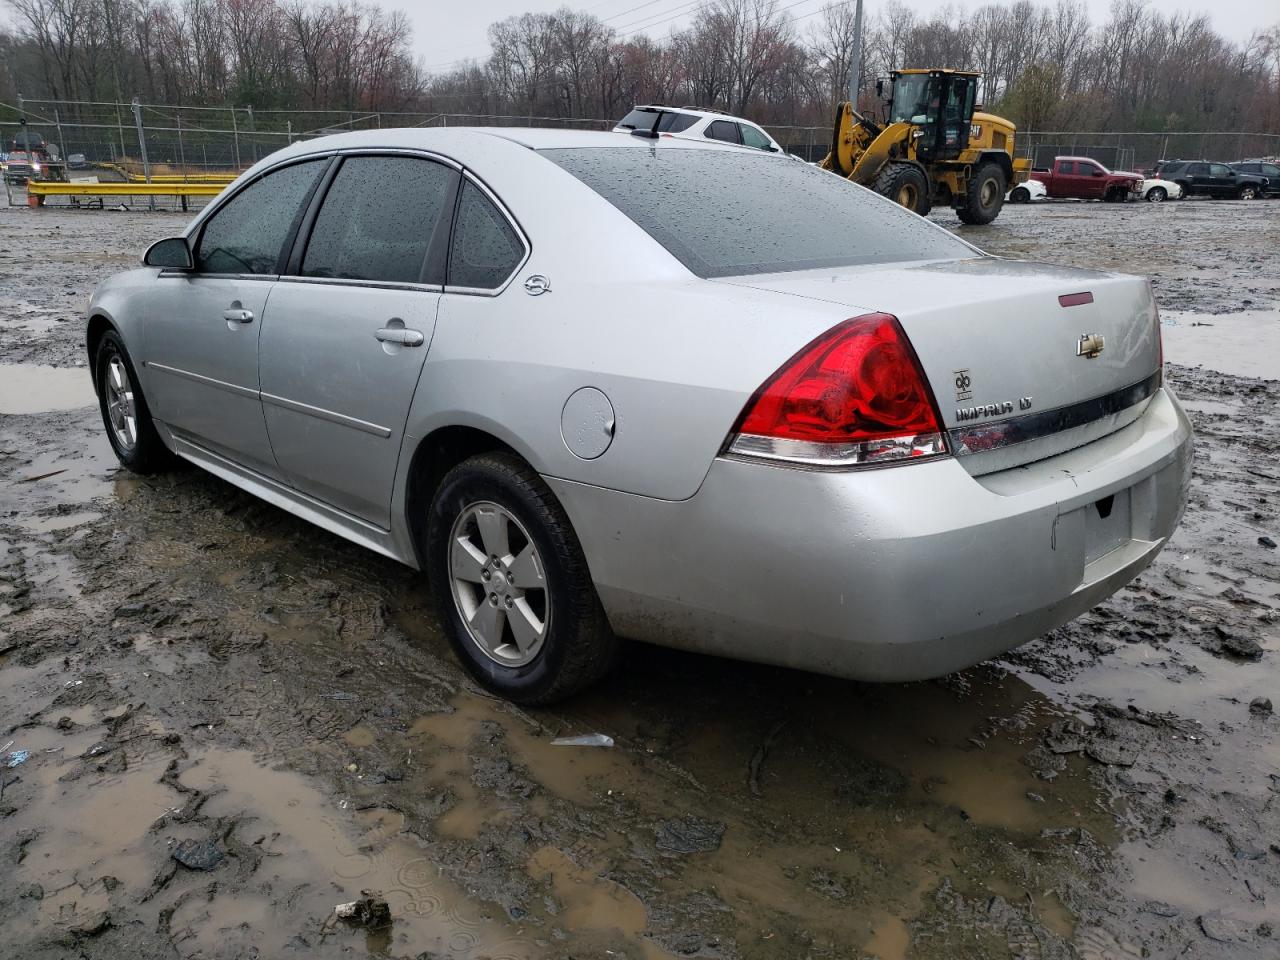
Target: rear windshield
728, 213
667, 123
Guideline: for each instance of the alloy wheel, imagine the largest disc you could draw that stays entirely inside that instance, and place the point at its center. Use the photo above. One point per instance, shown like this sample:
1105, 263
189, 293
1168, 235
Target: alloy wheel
121, 410
499, 584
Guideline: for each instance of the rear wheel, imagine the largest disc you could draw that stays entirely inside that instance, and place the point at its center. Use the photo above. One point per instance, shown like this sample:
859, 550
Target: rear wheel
984, 195
906, 185
1157, 195
125, 414
515, 595
1248, 192
1019, 195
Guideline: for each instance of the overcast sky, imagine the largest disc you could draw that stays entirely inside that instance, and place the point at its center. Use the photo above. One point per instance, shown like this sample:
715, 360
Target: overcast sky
445, 32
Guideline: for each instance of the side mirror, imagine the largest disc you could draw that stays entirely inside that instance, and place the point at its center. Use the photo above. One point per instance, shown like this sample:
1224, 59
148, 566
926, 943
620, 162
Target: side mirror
1097, 172
171, 252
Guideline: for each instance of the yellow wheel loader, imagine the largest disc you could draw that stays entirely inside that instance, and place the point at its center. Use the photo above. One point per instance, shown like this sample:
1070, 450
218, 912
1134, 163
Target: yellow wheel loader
932, 148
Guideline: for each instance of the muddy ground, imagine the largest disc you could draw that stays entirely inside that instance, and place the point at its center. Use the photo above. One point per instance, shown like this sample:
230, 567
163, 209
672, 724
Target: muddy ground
236, 721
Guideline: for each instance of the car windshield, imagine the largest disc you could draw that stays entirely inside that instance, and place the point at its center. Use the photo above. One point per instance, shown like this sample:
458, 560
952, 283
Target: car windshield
726, 213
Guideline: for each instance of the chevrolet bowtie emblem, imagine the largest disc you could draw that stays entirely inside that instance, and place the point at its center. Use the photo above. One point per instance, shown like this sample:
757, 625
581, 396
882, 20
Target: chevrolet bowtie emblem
1090, 345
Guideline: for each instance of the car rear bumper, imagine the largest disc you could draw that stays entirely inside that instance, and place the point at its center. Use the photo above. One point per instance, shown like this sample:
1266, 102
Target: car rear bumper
894, 574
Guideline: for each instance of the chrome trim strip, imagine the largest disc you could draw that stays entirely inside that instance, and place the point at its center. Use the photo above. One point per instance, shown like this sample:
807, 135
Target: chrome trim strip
365, 284
982, 437
320, 413
200, 378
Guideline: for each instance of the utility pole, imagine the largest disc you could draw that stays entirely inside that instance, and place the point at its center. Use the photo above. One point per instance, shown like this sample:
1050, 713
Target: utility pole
855, 60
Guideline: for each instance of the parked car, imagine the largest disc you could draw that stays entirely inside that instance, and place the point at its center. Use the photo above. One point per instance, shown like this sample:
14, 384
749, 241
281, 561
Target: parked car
599, 387
1202, 178
77, 161
1027, 191
1155, 190
1083, 178
690, 123
1262, 168
21, 166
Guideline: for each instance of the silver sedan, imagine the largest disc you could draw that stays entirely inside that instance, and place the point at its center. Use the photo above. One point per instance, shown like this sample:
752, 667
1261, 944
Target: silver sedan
600, 386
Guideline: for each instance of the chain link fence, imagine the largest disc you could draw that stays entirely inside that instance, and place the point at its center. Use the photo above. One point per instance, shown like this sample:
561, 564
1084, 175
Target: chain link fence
1138, 151
119, 140
199, 140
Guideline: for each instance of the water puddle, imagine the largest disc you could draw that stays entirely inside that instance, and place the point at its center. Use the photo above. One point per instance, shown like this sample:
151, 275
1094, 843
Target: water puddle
35, 388
1245, 344
324, 858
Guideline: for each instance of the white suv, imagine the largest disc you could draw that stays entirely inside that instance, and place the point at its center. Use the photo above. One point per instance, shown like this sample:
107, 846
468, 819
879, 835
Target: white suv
689, 123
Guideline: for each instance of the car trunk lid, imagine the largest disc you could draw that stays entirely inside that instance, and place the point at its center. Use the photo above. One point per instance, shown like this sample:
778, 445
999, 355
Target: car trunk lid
1015, 352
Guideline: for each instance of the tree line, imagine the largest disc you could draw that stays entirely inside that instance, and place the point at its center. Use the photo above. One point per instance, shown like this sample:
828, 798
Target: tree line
1045, 65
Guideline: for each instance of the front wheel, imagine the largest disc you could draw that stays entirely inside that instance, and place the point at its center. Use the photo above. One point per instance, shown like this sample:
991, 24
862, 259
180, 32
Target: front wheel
906, 185
1019, 195
515, 596
125, 414
1157, 195
984, 195
1248, 193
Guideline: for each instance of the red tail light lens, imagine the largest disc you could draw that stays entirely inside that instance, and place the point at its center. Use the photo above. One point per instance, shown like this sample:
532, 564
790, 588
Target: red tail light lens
855, 396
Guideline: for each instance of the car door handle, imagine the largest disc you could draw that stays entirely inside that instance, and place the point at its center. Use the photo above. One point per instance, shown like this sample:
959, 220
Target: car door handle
406, 338
238, 316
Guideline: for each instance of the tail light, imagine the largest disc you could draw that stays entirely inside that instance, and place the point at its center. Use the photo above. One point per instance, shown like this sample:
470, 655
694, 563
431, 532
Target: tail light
855, 396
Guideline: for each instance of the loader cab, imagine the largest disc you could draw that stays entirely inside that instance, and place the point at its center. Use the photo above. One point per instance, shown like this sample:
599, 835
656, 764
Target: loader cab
938, 102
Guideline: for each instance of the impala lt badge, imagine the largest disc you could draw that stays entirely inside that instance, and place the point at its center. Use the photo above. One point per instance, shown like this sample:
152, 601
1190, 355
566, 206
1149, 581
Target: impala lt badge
1090, 345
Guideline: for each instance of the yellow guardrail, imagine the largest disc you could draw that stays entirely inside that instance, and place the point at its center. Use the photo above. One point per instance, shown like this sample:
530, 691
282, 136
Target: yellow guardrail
52, 188
38, 190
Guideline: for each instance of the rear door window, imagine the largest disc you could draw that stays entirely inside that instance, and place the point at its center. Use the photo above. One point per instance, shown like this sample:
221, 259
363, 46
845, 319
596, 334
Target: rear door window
724, 130
726, 213
1219, 170
1066, 167
377, 220
486, 249
753, 137
246, 234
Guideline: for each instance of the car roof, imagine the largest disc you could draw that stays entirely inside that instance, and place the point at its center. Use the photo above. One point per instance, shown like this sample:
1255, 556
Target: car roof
464, 144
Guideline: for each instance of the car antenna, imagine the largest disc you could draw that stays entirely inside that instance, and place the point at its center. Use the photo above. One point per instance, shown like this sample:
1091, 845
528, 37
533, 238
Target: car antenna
652, 132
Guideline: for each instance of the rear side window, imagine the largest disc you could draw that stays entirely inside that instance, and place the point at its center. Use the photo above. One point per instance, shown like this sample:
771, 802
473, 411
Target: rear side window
726, 213
377, 219
1066, 166
723, 130
1219, 170
486, 249
1198, 169
667, 123
246, 233
754, 138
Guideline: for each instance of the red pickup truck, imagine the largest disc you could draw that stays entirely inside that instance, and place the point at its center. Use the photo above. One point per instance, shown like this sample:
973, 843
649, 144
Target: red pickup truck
1086, 179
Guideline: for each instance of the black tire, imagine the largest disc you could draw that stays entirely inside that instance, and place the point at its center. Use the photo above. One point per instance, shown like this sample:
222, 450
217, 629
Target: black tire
1019, 195
1186, 190
1248, 192
1157, 195
984, 195
579, 648
147, 453
906, 185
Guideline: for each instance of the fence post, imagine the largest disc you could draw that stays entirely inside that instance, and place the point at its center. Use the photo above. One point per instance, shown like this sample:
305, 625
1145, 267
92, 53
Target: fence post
120, 127
253, 143
235, 136
182, 153
62, 144
288, 125
142, 146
